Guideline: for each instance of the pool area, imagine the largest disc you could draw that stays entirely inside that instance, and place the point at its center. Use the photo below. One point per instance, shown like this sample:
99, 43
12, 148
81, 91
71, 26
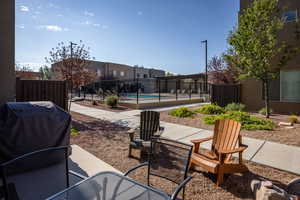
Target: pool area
134, 96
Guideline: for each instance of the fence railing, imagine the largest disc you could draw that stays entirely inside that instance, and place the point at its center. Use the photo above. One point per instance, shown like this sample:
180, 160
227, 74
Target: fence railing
147, 90
42, 90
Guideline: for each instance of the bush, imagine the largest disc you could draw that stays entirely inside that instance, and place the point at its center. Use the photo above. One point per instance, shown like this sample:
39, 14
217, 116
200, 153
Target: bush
248, 122
182, 112
293, 119
74, 131
111, 101
235, 107
94, 103
210, 109
263, 111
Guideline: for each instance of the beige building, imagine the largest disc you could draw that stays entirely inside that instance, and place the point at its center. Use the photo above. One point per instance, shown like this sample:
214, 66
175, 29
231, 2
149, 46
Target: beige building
285, 91
107, 71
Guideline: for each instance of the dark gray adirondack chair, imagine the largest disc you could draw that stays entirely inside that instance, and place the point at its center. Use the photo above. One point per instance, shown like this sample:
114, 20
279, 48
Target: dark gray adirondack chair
149, 126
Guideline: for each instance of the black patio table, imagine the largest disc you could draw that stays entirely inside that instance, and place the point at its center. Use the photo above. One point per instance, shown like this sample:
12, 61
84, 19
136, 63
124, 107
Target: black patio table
109, 186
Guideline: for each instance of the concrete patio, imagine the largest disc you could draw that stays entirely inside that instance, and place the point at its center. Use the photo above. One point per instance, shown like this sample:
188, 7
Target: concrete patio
280, 156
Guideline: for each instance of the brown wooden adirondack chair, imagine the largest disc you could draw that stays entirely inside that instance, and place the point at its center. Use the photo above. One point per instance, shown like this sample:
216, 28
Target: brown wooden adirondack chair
224, 143
140, 138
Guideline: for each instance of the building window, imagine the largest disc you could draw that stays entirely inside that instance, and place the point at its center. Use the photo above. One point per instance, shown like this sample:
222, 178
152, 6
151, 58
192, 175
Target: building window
290, 86
98, 72
122, 73
114, 73
145, 76
138, 75
290, 16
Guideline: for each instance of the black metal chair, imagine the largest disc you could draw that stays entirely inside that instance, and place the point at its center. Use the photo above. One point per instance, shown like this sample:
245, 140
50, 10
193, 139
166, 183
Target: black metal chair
14, 181
168, 159
149, 127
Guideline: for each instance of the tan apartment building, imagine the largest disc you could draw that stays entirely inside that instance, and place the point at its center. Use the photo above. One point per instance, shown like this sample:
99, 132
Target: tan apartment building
285, 91
108, 70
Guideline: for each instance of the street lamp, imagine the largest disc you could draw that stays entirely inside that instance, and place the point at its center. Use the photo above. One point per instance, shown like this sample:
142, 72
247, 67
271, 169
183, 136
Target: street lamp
206, 77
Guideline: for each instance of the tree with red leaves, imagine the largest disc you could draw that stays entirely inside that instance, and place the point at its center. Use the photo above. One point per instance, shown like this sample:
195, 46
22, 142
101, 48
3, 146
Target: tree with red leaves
70, 63
221, 72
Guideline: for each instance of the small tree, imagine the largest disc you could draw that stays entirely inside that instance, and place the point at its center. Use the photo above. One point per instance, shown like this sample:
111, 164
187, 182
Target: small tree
45, 72
221, 71
70, 62
256, 48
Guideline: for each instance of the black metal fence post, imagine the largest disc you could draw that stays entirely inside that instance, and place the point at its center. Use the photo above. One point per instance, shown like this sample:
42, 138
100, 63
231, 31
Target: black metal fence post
118, 88
190, 89
158, 90
137, 91
176, 83
200, 89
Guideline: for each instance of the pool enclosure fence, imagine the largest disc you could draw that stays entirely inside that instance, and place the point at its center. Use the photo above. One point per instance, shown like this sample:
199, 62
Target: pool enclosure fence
150, 90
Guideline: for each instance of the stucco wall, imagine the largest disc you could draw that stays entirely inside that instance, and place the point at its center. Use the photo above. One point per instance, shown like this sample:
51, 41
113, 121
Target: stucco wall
7, 51
251, 96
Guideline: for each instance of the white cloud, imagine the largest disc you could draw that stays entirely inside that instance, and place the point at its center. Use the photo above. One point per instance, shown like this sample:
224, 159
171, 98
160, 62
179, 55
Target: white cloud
24, 9
37, 12
90, 14
53, 28
21, 26
59, 15
97, 25
140, 13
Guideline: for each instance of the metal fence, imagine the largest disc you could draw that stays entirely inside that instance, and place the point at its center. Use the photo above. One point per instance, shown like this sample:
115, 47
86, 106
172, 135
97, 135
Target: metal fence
151, 90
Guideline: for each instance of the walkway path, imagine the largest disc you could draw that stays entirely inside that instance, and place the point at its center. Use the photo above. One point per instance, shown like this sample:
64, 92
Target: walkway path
272, 154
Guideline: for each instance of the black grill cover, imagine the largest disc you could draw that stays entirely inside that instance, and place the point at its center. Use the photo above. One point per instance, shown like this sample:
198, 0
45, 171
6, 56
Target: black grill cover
29, 126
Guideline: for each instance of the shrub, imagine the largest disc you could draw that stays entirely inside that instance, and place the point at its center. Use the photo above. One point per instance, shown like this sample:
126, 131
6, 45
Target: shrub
210, 109
182, 112
111, 101
74, 131
235, 107
248, 122
263, 111
293, 119
94, 103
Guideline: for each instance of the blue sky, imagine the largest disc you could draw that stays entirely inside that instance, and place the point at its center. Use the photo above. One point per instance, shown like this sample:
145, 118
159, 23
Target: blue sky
163, 34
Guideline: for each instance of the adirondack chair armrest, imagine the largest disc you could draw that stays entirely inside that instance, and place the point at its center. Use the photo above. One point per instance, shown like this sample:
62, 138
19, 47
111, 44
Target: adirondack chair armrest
159, 131
131, 133
237, 150
196, 143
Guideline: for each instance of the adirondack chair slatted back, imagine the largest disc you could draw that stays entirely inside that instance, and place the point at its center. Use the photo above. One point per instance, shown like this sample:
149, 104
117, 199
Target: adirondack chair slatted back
226, 136
149, 124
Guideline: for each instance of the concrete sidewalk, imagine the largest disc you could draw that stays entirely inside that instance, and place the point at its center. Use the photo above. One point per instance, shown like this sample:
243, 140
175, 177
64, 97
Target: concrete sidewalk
272, 154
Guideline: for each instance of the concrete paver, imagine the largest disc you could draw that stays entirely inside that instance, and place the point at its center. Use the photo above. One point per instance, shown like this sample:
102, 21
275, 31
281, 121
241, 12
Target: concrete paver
279, 156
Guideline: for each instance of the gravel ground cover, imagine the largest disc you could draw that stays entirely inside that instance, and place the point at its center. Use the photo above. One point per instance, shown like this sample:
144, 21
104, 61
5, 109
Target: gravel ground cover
109, 142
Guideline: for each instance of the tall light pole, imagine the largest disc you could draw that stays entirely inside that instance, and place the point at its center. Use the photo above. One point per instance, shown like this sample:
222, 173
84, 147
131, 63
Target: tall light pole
206, 76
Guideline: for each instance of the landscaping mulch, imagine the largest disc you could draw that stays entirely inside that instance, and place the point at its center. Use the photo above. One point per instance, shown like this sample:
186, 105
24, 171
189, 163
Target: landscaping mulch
103, 106
109, 142
280, 134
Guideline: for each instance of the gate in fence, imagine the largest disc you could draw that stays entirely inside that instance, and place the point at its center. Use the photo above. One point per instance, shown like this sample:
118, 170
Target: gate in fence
225, 94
